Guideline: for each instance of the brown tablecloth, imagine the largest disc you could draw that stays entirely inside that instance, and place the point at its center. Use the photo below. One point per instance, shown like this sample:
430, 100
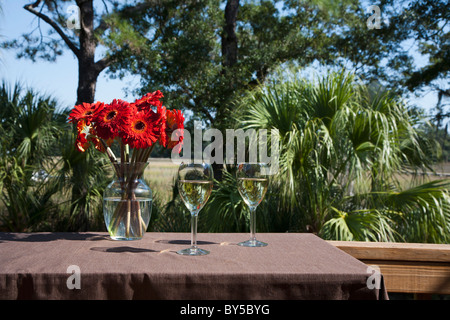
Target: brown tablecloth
292, 266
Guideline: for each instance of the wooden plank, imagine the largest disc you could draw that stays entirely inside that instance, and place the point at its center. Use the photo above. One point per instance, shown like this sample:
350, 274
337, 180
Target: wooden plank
406, 267
395, 250
414, 277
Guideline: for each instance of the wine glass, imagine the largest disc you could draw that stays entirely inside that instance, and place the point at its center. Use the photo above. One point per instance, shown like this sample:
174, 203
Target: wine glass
252, 182
195, 183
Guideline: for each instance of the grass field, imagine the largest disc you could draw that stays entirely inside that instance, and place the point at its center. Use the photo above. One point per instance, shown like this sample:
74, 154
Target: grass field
443, 168
160, 175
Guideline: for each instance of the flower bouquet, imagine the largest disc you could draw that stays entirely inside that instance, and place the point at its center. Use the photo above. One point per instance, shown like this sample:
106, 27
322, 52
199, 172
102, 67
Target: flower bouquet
136, 127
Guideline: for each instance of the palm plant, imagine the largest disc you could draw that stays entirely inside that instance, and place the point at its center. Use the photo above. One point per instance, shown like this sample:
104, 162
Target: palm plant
40, 167
343, 147
27, 134
88, 174
171, 216
225, 211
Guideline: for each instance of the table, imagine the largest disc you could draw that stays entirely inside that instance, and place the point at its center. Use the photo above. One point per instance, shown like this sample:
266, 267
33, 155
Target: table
90, 265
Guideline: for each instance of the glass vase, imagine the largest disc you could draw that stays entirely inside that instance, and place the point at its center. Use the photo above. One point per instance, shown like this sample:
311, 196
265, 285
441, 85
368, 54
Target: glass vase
127, 202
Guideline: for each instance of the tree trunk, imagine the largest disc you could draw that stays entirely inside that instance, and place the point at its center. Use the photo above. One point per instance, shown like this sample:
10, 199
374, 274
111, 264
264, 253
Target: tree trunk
229, 58
229, 38
87, 71
87, 81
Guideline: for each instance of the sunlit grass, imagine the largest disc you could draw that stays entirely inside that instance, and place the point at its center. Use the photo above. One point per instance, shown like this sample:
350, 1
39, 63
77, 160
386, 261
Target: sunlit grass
160, 176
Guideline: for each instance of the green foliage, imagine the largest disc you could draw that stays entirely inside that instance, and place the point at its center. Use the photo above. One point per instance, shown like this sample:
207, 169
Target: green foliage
27, 133
225, 211
343, 143
28, 129
177, 46
89, 173
183, 55
343, 146
170, 217
37, 158
426, 22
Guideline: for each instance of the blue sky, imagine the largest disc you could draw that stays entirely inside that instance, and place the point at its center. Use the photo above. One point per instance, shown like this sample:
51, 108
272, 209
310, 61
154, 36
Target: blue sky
60, 78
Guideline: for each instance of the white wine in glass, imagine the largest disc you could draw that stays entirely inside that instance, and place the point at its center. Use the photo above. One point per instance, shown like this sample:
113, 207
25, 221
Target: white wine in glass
195, 183
195, 193
252, 186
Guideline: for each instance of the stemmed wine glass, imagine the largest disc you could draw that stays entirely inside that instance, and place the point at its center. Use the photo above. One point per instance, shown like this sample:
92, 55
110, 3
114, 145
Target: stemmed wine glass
252, 182
195, 183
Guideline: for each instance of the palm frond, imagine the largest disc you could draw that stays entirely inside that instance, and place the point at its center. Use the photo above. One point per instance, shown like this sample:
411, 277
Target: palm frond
360, 225
343, 146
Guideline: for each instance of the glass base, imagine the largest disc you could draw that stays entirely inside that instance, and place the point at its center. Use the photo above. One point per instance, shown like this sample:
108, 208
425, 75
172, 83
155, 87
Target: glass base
125, 238
252, 243
193, 252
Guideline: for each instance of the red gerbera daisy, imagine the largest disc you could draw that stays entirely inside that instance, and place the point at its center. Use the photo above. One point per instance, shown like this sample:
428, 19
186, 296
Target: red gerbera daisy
85, 111
81, 143
175, 120
142, 130
110, 120
82, 126
161, 123
150, 99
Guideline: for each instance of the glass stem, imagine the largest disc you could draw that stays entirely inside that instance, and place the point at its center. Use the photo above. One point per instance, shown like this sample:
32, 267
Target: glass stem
194, 218
253, 223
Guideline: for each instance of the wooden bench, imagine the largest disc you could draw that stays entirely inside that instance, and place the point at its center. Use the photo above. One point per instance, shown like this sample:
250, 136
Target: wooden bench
422, 269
